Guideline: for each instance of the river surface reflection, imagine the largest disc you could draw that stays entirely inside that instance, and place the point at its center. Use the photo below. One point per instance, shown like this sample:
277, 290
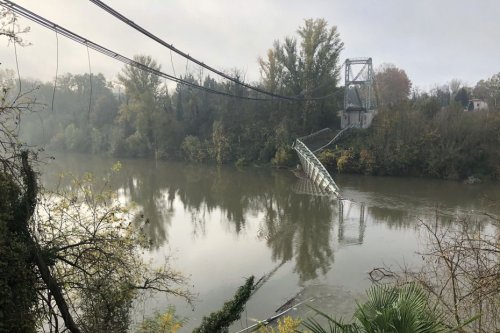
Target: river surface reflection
224, 224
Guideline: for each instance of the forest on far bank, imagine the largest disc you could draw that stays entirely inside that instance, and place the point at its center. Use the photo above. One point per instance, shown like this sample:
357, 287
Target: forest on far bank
415, 133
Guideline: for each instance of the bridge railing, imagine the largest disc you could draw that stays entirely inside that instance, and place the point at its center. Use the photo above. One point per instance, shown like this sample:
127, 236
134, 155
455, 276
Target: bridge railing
315, 170
335, 138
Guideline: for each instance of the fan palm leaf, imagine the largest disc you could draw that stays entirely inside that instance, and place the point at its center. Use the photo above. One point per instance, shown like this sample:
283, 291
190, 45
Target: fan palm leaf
388, 309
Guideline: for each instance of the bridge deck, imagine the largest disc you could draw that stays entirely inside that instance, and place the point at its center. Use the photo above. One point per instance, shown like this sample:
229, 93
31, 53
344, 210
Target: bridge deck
315, 170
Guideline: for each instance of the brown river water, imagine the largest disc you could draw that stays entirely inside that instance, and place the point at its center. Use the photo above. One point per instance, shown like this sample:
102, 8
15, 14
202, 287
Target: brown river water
224, 224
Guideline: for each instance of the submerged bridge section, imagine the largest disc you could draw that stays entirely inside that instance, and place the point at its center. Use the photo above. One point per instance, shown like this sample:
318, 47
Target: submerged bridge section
315, 170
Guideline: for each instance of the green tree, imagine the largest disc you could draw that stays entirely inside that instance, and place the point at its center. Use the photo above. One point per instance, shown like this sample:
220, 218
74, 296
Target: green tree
95, 252
318, 64
272, 70
194, 149
136, 114
167, 322
220, 141
168, 131
307, 67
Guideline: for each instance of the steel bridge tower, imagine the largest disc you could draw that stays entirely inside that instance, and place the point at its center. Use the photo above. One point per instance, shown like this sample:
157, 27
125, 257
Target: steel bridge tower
360, 102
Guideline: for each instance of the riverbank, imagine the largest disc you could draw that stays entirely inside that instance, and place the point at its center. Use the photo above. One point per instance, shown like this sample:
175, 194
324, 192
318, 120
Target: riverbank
448, 144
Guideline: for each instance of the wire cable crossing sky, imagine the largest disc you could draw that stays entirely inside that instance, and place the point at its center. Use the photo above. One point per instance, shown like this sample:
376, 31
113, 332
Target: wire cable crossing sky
103, 50
110, 53
183, 54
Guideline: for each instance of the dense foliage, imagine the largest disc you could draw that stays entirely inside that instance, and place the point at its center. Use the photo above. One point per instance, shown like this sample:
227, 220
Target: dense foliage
393, 85
140, 116
414, 133
422, 138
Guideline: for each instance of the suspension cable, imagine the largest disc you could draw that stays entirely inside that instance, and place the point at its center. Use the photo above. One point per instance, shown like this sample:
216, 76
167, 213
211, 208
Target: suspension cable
145, 32
112, 54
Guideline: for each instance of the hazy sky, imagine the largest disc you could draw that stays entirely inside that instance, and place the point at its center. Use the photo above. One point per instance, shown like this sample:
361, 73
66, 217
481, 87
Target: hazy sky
433, 40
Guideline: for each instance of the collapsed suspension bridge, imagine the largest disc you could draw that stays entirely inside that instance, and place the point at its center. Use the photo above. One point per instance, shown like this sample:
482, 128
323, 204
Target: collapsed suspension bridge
359, 90
359, 109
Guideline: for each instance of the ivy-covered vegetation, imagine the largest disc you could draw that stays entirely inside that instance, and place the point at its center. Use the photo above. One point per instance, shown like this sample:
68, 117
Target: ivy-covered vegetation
219, 321
17, 281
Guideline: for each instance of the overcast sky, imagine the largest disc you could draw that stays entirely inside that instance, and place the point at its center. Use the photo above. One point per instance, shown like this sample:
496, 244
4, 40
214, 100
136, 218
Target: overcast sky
434, 41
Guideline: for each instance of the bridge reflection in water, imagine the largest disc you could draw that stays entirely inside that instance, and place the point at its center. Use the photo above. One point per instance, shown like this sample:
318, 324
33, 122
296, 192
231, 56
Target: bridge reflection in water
351, 215
351, 221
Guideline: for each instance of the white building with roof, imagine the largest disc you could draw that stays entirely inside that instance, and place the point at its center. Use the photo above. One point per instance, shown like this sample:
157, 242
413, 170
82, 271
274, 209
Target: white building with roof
476, 104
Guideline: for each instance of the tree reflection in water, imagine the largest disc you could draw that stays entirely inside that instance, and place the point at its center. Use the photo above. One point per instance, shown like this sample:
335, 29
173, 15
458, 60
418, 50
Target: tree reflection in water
299, 227
296, 227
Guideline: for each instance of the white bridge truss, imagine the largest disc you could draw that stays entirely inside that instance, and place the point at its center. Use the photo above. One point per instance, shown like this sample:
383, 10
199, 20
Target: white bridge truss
315, 170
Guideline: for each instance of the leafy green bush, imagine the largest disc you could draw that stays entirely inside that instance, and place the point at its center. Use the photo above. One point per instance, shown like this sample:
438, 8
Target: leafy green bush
193, 149
328, 158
